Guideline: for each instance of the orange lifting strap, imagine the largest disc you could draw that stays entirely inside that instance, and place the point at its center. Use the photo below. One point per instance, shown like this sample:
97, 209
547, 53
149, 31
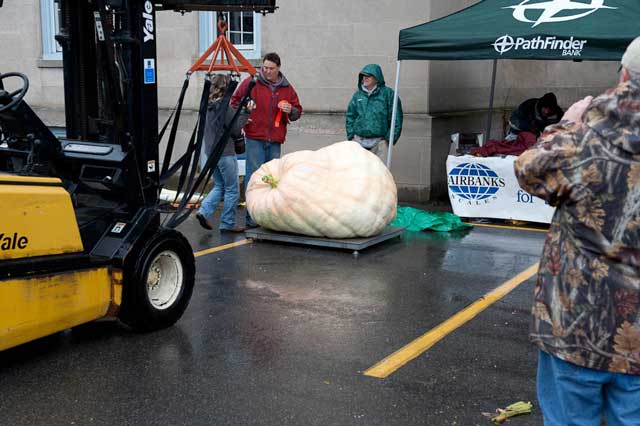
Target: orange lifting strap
223, 48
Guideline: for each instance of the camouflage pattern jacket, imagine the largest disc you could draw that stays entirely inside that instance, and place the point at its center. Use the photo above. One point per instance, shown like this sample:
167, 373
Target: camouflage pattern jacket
587, 296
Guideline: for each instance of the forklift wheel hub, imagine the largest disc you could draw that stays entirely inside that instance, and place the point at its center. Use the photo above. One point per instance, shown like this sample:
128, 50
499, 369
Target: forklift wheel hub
165, 280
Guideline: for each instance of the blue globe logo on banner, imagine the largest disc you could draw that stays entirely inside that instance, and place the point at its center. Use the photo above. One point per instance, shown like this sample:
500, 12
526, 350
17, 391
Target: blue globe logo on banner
474, 181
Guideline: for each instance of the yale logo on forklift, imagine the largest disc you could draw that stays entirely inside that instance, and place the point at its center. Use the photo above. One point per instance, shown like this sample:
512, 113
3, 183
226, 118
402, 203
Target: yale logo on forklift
148, 28
8, 242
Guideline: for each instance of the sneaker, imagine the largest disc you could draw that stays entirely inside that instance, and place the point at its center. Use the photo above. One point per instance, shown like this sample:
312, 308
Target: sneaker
234, 229
203, 221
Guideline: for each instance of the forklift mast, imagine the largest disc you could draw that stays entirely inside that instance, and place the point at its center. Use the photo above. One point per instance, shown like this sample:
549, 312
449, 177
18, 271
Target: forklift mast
109, 58
110, 76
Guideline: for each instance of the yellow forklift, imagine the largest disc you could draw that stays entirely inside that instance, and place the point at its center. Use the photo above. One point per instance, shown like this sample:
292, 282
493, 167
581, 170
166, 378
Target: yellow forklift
81, 229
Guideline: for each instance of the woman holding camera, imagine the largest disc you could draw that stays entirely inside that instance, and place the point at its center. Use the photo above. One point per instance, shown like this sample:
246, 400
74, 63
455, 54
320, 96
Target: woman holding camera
225, 174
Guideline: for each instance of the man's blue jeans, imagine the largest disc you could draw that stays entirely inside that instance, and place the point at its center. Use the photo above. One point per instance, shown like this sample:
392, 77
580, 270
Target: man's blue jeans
258, 153
570, 395
225, 176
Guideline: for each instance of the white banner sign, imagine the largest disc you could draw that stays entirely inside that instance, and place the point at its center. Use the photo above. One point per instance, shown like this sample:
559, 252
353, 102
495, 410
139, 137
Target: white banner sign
487, 187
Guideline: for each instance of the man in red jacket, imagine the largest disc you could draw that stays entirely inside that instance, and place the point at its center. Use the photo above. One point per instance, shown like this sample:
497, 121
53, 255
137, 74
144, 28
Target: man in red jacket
276, 104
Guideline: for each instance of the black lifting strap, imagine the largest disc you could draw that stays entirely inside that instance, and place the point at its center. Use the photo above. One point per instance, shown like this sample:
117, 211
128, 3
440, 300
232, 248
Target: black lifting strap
182, 213
174, 128
194, 146
220, 144
180, 162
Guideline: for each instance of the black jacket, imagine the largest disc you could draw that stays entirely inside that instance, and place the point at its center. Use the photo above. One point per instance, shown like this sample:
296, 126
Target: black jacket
214, 126
528, 116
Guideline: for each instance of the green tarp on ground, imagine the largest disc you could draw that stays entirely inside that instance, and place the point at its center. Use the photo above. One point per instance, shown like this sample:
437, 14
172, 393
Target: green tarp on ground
419, 220
527, 29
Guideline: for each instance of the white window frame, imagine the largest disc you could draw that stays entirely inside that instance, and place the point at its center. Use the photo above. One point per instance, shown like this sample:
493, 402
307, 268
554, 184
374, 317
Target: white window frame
208, 30
51, 50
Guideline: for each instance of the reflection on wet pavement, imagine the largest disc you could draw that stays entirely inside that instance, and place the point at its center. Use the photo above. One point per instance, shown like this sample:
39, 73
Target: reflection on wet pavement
280, 335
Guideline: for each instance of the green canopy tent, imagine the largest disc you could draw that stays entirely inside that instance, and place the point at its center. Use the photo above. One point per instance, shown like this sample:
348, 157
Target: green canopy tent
597, 30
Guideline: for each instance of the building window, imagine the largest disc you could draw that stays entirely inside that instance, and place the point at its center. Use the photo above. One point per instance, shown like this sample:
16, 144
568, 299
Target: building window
50, 10
243, 31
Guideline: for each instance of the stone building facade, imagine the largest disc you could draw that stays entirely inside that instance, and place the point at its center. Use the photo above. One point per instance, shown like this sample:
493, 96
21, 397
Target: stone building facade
323, 45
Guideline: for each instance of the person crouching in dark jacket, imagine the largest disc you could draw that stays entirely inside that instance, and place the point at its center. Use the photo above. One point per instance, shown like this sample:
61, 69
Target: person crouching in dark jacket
534, 114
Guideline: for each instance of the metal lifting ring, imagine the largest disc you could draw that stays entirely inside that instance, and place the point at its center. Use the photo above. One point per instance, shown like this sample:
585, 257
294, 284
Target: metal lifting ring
222, 25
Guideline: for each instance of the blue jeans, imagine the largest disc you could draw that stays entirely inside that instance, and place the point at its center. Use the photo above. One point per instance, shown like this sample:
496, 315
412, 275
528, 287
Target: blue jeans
570, 395
258, 153
225, 176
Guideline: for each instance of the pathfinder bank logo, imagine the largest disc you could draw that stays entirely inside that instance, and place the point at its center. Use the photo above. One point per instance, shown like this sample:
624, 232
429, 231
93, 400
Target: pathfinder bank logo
555, 10
474, 183
567, 47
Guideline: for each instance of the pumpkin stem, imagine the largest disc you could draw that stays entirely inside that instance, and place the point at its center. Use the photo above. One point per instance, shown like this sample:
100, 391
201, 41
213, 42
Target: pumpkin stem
270, 180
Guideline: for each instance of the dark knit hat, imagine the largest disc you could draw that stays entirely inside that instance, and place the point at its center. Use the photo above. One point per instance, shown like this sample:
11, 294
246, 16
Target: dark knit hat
549, 100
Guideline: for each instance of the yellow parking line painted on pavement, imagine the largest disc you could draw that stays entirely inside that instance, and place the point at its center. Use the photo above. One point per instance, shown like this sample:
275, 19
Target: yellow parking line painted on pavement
519, 228
220, 248
414, 349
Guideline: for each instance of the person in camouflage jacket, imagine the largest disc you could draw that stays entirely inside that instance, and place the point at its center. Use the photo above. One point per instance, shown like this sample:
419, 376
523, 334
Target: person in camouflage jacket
587, 297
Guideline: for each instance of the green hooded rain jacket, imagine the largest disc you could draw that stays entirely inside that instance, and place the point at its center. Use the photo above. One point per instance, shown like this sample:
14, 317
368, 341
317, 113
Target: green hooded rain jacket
369, 115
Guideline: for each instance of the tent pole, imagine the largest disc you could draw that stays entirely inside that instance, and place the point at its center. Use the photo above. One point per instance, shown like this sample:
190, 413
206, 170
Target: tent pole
393, 117
493, 91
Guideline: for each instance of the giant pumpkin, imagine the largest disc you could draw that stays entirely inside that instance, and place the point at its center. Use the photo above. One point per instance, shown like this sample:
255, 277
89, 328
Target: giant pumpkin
340, 191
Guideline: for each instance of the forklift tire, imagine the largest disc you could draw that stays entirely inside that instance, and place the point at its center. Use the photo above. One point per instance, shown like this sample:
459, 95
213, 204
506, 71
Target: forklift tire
158, 282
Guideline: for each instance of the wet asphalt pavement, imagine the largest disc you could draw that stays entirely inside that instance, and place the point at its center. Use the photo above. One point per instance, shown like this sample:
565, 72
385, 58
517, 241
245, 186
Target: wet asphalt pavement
281, 334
